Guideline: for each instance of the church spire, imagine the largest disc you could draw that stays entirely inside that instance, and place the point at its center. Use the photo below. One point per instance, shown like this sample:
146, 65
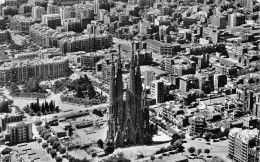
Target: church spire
119, 55
132, 72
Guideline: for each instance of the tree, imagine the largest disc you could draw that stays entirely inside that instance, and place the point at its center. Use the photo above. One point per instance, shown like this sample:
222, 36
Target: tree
38, 122
56, 144
175, 137
79, 93
199, 151
91, 92
207, 151
226, 132
44, 145
46, 136
51, 106
43, 133
62, 150
152, 157
177, 144
207, 136
49, 149
53, 153
252, 142
191, 150
58, 159
39, 140
109, 147
46, 106
100, 143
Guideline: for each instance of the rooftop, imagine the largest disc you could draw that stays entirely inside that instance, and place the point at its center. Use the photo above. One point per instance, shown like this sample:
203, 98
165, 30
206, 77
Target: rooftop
19, 63
245, 134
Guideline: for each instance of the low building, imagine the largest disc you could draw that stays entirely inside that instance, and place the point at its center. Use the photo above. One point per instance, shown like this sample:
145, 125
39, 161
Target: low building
58, 131
26, 55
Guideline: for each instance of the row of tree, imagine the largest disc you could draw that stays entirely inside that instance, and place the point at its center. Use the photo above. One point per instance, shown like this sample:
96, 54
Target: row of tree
192, 150
83, 101
44, 108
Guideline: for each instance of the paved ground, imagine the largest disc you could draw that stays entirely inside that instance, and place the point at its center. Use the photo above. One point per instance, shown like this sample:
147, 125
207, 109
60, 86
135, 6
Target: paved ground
219, 99
216, 148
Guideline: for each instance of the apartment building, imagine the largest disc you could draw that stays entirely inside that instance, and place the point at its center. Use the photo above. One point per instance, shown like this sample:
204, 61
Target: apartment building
157, 90
4, 36
188, 82
84, 11
220, 80
25, 8
160, 48
19, 132
236, 19
219, 21
37, 12
72, 24
149, 76
197, 125
21, 71
21, 23
46, 36
240, 149
6, 119
2, 23
145, 57
53, 9
188, 21
66, 12
87, 43
89, 60
52, 20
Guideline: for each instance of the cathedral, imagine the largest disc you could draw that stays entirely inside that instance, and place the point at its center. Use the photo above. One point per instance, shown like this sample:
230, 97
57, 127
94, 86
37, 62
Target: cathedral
128, 116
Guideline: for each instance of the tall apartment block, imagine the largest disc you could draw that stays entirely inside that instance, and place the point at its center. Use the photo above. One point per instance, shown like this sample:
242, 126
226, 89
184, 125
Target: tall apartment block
2, 23
18, 132
4, 36
53, 9
220, 80
66, 12
157, 90
240, 149
149, 76
72, 24
236, 19
5, 120
219, 21
84, 11
21, 71
37, 12
52, 20
188, 82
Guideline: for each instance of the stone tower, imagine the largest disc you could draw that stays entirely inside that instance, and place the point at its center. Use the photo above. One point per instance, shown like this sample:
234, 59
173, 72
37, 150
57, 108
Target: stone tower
128, 118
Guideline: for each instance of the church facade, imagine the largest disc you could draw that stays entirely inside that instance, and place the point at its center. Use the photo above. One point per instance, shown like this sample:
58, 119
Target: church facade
128, 116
